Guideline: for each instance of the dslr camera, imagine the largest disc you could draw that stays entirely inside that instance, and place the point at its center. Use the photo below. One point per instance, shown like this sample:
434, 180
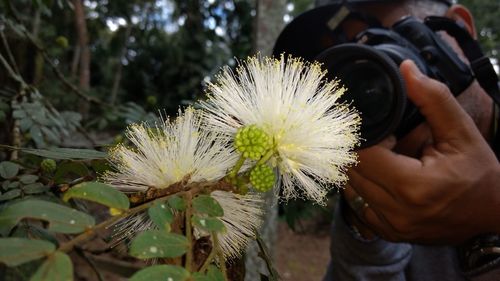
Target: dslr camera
368, 64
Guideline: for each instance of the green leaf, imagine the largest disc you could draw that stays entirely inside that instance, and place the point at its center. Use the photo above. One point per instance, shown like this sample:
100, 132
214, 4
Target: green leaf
27, 179
100, 165
158, 244
177, 203
35, 188
66, 153
14, 184
209, 224
100, 193
57, 267
25, 124
11, 194
8, 169
60, 218
213, 274
161, 272
161, 215
36, 135
67, 168
16, 251
205, 204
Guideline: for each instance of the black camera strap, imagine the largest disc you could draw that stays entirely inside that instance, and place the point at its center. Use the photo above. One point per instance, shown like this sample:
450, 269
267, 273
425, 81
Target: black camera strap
480, 64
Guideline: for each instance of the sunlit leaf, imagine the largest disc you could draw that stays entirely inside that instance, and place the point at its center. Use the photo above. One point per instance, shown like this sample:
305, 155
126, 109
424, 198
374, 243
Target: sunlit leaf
158, 244
16, 251
100, 193
60, 218
161, 272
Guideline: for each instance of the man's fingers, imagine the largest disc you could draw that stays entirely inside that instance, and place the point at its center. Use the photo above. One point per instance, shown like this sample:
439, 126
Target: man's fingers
447, 120
376, 196
386, 168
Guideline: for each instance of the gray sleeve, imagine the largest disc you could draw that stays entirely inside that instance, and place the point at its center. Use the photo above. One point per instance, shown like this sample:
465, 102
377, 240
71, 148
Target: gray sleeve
354, 258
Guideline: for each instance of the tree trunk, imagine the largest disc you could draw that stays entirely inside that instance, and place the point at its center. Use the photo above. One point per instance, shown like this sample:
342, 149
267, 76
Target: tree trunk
268, 25
83, 43
119, 65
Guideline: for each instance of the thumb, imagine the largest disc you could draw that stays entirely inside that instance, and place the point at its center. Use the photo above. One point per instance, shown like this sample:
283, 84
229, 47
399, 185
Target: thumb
445, 116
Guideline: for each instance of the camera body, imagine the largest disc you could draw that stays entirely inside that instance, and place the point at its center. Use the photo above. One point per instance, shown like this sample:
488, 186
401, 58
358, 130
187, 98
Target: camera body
369, 68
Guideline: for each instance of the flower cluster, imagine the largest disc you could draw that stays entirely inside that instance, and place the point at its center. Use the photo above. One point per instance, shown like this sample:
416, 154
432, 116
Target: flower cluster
312, 133
278, 115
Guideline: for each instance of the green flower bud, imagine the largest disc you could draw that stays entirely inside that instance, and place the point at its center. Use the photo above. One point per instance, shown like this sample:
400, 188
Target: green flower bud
252, 142
151, 100
62, 42
262, 178
48, 165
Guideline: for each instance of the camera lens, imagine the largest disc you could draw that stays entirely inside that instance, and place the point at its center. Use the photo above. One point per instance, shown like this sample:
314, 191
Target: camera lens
374, 87
372, 95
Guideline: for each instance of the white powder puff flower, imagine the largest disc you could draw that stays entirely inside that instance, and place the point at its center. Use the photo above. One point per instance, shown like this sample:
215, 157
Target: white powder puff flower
173, 152
169, 153
243, 215
313, 134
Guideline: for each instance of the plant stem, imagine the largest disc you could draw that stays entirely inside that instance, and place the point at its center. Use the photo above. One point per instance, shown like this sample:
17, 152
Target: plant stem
237, 167
266, 157
210, 257
68, 246
189, 232
220, 256
176, 188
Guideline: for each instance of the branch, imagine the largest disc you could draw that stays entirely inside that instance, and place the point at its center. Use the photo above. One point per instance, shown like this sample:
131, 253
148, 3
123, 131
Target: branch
265, 256
179, 188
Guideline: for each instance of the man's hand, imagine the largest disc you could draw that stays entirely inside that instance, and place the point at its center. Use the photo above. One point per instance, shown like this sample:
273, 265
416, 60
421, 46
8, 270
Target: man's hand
448, 195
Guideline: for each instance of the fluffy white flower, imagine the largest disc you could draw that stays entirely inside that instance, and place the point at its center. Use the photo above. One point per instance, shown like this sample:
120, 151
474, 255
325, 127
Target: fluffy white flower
176, 151
313, 134
242, 216
167, 153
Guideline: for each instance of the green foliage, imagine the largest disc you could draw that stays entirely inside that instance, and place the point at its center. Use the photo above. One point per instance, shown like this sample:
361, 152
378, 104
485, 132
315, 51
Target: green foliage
65, 153
212, 274
161, 215
60, 218
208, 224
158, 244
8, 169
487, 22
177, 203
16, 251
57, 267
161, 272
100, 193
205, 204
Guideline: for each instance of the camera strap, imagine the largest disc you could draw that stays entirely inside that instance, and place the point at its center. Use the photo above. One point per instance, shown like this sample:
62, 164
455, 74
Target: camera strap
480, 64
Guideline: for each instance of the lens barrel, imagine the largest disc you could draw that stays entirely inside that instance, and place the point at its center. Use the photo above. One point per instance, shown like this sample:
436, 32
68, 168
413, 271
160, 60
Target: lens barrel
374, 87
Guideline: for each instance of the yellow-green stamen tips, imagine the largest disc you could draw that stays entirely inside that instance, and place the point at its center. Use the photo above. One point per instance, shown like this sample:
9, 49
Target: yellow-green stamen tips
262, 178
252, 142
48, 165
